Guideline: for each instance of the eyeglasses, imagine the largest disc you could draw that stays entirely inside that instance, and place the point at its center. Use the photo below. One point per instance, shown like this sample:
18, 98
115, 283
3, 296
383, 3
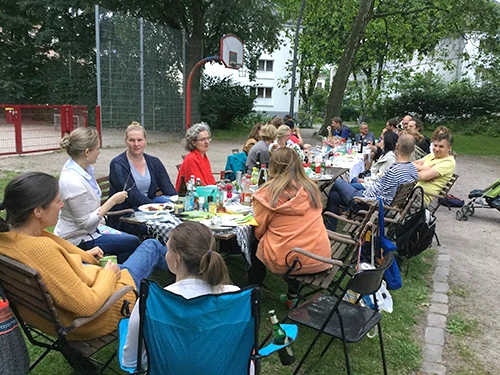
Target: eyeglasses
209, 139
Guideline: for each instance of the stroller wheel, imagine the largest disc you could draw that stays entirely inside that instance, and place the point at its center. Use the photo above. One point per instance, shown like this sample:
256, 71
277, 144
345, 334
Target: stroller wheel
465, 216
459, 215
470, 210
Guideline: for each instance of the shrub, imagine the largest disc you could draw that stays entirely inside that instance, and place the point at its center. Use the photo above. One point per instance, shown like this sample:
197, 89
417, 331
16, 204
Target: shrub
465, 105
222, 101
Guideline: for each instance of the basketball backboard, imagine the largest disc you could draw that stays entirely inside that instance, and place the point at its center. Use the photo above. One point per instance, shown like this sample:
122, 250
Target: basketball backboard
231, 51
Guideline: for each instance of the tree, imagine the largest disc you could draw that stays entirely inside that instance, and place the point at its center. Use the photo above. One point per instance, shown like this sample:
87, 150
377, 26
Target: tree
204, 22
360, 37
47, 53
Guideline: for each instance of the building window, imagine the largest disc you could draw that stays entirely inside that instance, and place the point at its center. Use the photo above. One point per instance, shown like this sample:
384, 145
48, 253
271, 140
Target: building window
319, 85
265, 65
264, 92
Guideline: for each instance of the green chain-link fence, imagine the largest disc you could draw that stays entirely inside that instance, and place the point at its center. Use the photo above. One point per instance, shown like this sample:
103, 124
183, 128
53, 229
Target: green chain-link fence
158, 102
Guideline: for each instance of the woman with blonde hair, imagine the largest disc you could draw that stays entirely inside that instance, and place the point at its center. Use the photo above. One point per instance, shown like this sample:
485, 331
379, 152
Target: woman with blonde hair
196, 163
282, 138
81, 217
253, 137
198, 270
260, 152
288, 212
138, 173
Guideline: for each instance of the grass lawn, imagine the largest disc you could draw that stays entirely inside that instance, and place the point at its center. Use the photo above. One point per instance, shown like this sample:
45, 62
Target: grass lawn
401, 337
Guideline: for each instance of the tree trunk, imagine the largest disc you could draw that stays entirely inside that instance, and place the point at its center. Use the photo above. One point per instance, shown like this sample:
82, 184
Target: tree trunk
334, 105
194, 53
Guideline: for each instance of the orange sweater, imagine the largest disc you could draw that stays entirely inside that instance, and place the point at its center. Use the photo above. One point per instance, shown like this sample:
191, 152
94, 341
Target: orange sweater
77, 289
292, 223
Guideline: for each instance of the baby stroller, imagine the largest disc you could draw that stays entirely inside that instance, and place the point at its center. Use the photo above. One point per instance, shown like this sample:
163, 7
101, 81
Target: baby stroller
487, 198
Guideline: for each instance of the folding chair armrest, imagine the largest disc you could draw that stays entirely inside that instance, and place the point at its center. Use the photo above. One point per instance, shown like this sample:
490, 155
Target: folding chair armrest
340, 237
291, 331
333, 262
121, 212
115, 297
342, 218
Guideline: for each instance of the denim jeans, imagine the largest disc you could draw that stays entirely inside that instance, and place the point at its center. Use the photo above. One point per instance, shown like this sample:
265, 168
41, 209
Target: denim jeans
122, 245
148, 256
341, 194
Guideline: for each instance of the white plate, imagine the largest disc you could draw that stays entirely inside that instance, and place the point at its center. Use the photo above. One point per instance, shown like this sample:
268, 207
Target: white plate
238, 209
156, 207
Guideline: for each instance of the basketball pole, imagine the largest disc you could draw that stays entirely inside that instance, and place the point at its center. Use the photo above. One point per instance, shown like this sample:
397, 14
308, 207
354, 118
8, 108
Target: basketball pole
190, 81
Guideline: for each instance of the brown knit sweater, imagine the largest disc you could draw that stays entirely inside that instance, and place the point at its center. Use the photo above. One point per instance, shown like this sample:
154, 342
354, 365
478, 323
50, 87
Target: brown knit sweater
77, 285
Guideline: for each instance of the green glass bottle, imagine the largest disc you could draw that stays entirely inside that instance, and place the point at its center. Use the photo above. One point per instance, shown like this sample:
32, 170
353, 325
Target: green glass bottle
280, 338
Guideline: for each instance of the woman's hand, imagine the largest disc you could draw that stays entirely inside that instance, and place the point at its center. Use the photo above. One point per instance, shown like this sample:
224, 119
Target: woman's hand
96, 252
113, 267
119, 197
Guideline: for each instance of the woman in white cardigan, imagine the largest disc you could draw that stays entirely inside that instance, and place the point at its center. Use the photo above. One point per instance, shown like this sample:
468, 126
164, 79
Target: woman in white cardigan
81, 217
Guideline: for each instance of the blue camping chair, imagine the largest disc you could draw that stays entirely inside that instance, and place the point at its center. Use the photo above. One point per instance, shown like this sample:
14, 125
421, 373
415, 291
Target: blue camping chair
211, 334
235, 163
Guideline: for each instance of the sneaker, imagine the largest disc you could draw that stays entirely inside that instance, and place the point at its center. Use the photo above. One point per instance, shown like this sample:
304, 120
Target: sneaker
290, 303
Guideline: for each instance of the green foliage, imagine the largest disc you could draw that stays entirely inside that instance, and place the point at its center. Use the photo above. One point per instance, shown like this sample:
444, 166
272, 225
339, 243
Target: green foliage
460, 326
318, 102
47, 53
467, 108
222, 101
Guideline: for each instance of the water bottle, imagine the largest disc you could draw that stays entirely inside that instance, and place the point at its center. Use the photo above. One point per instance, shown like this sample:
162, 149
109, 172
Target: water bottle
348, 145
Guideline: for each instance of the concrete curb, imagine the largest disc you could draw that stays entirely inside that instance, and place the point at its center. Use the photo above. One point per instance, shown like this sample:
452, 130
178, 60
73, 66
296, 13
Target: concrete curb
436, 318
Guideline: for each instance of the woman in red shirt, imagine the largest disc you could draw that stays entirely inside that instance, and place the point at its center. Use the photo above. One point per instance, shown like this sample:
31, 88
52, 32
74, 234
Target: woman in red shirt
196, 163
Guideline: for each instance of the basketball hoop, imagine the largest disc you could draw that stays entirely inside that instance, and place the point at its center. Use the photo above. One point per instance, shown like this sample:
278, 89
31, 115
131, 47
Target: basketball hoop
231, 51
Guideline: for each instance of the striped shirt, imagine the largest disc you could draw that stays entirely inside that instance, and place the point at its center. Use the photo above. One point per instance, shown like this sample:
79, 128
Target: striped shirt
385, 187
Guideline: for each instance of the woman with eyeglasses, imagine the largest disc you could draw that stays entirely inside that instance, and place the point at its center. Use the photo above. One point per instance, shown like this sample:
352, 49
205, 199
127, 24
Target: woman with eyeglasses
81, 217
196, 163
139, 174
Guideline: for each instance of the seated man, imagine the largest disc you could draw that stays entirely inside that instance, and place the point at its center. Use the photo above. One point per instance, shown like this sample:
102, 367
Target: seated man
365, 136
385, 187
436, 169
339, 129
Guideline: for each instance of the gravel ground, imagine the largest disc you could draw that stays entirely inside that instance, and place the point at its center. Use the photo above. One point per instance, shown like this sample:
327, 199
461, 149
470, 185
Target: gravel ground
473, 245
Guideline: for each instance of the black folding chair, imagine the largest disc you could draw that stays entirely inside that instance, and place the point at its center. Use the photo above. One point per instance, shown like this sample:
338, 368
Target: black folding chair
341, 319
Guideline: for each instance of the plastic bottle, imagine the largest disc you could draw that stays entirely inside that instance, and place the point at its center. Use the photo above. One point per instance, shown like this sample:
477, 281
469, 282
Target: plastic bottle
212, 206
201, 204
280, 338
348, 145
255, 176
198, 182
246, 194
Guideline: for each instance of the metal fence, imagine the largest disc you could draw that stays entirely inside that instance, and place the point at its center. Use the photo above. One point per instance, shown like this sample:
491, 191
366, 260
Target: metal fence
140, 72
35, 128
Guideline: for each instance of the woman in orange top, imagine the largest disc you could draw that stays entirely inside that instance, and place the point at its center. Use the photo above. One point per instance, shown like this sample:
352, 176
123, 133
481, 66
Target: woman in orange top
288, 210
196, 163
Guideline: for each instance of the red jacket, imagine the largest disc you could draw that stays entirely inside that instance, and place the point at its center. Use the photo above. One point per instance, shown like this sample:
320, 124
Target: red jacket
195, 164
293, 223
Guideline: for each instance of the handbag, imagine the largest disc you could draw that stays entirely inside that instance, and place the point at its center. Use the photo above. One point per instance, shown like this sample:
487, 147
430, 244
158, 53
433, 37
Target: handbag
392, 275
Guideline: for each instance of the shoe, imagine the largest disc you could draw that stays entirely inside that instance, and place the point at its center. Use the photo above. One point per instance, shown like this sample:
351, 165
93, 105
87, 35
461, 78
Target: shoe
290, 303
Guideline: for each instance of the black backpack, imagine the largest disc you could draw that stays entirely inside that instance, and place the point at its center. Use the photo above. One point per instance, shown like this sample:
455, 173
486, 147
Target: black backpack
416, 232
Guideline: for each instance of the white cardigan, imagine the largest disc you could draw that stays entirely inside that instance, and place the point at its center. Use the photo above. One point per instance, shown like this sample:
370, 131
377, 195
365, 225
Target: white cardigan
78, 219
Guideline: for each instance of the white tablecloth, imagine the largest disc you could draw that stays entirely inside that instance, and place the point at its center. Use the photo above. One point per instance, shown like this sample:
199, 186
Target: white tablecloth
355, 165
